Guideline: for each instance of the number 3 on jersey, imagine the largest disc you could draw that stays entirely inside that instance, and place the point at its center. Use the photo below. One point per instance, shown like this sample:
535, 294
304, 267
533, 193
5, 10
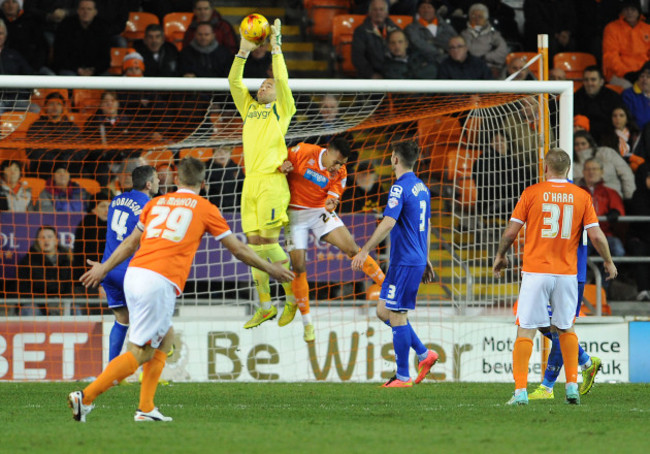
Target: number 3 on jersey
553, 221
176, 221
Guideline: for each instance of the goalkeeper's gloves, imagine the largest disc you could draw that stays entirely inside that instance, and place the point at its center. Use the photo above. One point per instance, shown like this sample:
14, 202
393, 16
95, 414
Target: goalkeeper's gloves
276, 35
246, 47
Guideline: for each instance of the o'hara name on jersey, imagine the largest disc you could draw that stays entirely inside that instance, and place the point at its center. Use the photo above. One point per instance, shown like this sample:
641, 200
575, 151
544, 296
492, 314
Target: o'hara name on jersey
128, 203
316, 178
558, 197
177, 201
416, 189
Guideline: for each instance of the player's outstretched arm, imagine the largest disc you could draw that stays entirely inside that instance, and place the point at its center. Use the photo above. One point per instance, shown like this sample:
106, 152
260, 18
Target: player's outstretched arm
382, 231
509, 236
244, 253
599, 240
94, 276
240, 94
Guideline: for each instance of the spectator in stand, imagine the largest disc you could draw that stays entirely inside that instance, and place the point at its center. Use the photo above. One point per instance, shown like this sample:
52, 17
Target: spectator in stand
160, 57
11, 61
51, 13
133, 65
225, 180
606, 202
204, 11
522, 128
166, 174
429, 33
204, 56
483, 40
122, 180
626, 45
364, 192
546, 17
517, 64
90, 239
25, 34
594, 16
561, 41
462, 65
109, 124
258, 64
45, 271
595, 101
53, 125
62, 195
617, 175
638, 235
405, 63
581, 123
13, 189
82, 43
115, 13
624, 136
502, 17
369, 46
557, 74
637, 98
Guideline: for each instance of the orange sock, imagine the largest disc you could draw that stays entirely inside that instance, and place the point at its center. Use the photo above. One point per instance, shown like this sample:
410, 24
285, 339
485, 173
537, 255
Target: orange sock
300, 288
569, 347
372, 270
151, 371
520, 357
116, 371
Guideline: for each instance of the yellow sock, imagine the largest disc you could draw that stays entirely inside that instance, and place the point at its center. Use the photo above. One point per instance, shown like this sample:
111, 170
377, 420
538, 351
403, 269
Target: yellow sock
301, 292
275, 253
261, 279
116, 371
520, 357
372, 270
569, 347
151, 371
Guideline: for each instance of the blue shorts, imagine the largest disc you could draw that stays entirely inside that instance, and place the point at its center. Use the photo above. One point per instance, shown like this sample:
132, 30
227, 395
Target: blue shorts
114, 287
400, 288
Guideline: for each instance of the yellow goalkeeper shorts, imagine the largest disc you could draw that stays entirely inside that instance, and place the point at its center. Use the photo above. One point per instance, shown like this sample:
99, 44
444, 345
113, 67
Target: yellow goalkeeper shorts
264, 202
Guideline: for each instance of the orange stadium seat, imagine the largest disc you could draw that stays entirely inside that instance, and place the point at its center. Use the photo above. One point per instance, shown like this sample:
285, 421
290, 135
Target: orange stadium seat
401, 21
237, 155
136, 25
342, 30
86, 101
466, 191
13, 154
16, 124
175, 25
90, 185
157, 157
117, 57
36, 185
438, 130
203, 154
573, 63
527, 56
589, 298
321, 14
460, 162
617, 88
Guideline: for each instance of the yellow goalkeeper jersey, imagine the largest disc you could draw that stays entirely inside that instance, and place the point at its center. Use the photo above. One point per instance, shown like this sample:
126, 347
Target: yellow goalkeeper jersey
264, 124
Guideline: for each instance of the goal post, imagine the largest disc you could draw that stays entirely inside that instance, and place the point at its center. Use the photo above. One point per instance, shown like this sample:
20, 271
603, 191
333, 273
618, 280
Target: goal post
464, 314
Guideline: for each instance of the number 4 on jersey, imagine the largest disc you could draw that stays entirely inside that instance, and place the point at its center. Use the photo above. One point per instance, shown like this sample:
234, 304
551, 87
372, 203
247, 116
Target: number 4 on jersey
118, 223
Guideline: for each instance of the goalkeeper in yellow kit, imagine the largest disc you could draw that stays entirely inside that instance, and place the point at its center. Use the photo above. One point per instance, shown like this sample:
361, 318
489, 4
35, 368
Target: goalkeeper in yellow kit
265, 195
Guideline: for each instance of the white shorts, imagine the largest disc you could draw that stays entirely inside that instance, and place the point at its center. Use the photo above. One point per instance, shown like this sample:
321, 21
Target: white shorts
538, 291
150, 299
318, 220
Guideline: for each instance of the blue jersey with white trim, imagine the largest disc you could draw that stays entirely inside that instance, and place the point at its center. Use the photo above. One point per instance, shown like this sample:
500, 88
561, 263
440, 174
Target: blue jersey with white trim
409, 203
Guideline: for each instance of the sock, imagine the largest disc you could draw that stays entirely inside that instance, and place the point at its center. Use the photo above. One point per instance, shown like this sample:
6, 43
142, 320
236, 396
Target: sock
151, 371
372, 270
401, 345
554, 363
116, 371
261, 278
116, 340
569, 346
416, 343
275, 253
520, 357
584, 359
301, 292
387, 322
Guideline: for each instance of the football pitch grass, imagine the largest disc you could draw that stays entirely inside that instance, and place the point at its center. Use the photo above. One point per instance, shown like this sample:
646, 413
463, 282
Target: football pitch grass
326, 418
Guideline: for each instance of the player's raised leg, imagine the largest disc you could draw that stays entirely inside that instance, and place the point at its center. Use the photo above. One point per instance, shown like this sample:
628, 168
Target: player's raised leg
301, 293
342, 239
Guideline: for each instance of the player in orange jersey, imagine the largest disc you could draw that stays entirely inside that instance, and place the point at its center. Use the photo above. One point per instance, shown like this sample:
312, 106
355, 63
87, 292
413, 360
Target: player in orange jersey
555, 213
317, 177
168, 234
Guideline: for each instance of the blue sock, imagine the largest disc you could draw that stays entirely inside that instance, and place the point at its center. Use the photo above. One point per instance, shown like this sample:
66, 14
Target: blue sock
416, 344
583, 356
402, 345
387, 322
116, 340
555, 362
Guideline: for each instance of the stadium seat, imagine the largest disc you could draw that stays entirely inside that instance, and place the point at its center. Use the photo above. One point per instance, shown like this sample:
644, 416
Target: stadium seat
617, 88
86, 101
573, 63
438, 130
459, 163
39, 95
36, 185
589, 301
157, 157
117, 57
466, 192
342, 30
401, 21
527, 56
136, 25
321, 14
175, 25
237, 156
90, 185
16, 124
203, 154
13, 154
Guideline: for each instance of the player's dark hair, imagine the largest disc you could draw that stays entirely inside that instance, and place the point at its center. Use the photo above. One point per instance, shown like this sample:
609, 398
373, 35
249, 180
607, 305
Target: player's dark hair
558, 161
191, 171
141, 175
408, 152
340, 144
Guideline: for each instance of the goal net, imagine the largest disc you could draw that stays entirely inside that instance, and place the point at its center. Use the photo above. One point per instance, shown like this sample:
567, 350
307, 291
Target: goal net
480, 142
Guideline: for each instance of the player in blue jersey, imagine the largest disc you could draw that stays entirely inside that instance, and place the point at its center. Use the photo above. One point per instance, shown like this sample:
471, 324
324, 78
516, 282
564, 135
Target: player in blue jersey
590, 364
123, 215
406, 218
